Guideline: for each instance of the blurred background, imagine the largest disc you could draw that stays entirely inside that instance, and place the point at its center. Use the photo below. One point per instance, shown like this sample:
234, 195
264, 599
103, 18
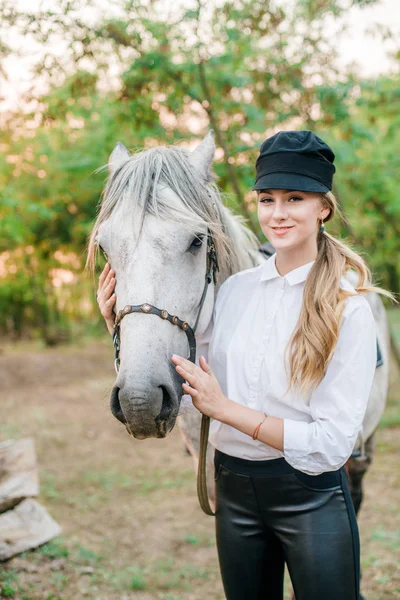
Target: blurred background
76, 76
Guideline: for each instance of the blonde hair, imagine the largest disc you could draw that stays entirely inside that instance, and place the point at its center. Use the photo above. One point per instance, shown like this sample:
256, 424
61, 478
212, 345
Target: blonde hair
314, 339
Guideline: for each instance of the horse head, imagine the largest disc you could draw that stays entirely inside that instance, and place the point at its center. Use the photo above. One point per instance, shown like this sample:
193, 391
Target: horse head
158, 210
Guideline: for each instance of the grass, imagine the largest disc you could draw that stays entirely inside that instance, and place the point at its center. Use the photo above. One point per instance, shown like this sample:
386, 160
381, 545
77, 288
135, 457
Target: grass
54, 549
199, 539
87, 557
191, 539
132, 577
143, 482
391, 416
162, 575
107, 480
9, 586
387, 539
157, 577
10, 431
48, 486
394, 319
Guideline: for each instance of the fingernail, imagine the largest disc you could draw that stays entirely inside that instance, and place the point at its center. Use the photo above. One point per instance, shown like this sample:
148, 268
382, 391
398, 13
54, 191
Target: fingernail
175, 356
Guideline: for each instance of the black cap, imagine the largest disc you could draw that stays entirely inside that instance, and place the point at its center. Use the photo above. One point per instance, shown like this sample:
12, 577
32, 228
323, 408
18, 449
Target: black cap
295, 160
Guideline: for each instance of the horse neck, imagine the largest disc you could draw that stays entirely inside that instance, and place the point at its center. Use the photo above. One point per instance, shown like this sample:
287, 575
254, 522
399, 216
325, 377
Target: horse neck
245, 245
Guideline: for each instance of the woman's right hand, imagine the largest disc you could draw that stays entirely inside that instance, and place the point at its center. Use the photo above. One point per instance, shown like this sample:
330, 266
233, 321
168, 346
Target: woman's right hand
106, 296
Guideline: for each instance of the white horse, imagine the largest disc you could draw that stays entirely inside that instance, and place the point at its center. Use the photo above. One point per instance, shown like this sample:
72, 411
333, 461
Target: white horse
156, 211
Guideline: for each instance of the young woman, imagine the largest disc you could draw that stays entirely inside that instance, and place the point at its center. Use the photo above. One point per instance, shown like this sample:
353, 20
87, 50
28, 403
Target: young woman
293, 355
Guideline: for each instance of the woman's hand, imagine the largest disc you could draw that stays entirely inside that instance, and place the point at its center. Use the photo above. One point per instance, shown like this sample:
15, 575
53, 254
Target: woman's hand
106, 296
203, 387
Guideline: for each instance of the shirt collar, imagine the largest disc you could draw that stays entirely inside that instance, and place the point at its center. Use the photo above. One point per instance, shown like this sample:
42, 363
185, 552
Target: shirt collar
295, 276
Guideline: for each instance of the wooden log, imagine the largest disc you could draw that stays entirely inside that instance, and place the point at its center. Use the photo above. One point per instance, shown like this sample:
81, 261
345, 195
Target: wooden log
18, 472
26, 526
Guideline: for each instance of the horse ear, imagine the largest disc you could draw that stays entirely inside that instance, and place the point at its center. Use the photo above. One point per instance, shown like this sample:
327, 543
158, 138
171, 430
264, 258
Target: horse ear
201, 158
117, 157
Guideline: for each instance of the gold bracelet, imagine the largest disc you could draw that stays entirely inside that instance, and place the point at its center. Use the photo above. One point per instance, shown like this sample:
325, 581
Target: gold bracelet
257, 429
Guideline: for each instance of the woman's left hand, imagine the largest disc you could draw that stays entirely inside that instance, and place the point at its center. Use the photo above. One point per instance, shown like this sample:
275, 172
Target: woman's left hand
203, 387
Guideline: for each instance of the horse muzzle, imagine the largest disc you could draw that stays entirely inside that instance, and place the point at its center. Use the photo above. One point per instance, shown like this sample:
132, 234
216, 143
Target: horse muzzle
145, 415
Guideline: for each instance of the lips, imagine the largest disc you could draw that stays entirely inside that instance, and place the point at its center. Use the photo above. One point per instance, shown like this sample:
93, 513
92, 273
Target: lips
282, 230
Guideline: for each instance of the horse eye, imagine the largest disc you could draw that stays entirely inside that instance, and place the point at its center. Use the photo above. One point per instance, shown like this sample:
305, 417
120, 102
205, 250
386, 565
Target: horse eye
104, 252
198, 240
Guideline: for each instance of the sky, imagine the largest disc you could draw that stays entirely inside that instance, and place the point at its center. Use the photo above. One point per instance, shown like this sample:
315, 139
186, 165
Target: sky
354, 45
363, 48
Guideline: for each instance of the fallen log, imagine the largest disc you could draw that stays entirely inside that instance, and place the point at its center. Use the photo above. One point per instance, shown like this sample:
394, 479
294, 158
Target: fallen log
26, 526
18, 472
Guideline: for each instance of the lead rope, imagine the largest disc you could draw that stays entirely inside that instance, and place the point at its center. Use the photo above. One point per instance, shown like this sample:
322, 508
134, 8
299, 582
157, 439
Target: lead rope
202, 493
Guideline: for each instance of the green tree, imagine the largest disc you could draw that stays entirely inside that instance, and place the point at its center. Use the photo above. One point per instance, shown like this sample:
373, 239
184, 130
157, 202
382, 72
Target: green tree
145, 76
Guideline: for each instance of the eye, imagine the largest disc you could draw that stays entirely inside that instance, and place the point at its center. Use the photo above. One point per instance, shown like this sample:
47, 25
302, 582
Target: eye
266, 200
103, 251
295, 198
197, 241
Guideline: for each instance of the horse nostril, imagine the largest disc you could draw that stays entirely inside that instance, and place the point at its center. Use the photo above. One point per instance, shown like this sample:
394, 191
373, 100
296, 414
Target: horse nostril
166, 407
116, 406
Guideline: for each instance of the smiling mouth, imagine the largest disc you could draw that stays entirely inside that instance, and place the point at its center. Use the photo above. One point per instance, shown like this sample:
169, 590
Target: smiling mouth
282, 228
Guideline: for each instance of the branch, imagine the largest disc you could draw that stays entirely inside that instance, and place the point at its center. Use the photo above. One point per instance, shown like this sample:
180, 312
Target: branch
214, 124
221, 142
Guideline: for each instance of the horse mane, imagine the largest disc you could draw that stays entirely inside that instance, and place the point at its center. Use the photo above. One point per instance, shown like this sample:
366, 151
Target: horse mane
135, 187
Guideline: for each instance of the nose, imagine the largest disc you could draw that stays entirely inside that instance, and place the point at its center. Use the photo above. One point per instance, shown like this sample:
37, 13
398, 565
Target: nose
280, 211
149, 413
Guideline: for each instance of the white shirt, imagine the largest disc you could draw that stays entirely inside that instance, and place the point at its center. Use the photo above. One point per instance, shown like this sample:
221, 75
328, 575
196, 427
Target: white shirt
255, 313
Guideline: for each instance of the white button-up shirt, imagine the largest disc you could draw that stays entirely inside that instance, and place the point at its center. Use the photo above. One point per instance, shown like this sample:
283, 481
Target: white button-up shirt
255, 313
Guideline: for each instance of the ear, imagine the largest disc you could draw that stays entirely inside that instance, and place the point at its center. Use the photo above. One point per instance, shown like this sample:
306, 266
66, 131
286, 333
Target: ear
117, 158
202, 156
325, 212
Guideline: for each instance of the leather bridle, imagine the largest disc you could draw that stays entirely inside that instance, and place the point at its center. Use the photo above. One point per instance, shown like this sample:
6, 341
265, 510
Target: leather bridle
149, 309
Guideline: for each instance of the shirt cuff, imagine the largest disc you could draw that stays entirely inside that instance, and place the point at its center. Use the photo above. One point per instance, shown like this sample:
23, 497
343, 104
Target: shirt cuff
295, 437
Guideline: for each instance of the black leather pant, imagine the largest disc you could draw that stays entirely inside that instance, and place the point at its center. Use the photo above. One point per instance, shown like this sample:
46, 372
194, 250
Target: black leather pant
269, 514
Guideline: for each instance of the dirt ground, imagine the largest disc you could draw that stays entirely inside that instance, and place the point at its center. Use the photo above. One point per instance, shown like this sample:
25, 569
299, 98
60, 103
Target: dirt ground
132, 527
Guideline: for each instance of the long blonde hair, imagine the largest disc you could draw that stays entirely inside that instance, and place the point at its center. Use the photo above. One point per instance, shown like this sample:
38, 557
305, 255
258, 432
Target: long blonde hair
314, 339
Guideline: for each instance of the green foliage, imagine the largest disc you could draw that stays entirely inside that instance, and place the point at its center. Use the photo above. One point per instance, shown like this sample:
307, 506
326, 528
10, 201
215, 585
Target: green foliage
243, 68
365, 135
